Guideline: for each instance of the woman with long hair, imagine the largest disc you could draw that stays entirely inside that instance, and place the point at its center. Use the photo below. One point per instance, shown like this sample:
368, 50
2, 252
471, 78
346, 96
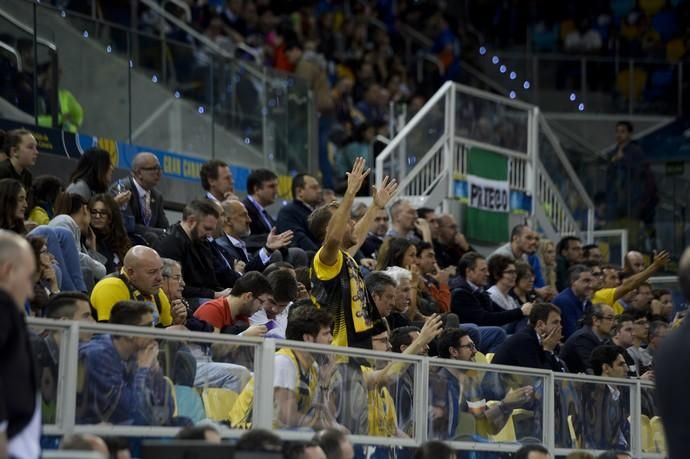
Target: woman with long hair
46, 277
93, 175
547, 258
46, 189
60, 242
398, 251
111, 238
73, 215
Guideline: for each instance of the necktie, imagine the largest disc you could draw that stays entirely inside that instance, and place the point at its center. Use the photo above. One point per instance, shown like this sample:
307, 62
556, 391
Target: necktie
146, 211
267, 219
243, 247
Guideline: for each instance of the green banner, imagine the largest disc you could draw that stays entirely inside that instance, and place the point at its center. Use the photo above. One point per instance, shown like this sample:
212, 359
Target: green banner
481, 224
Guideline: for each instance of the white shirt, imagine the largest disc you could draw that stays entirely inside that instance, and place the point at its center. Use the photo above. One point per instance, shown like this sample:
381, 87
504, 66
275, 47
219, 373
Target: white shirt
27, 443
210, 196
262, 211
506, 302
285, 374
279, 322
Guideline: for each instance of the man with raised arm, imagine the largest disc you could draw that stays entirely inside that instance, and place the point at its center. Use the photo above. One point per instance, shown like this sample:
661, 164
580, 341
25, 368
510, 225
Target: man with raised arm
338, 285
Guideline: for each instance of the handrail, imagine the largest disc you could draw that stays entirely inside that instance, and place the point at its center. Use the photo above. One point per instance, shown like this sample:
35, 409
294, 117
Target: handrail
182, 5
29, 30
202, 39
263, 372
481, 76
14, 52
416, 119
564, 161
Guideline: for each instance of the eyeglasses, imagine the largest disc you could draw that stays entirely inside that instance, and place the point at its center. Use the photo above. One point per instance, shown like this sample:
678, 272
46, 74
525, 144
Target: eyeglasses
470, 346
510, 271
99, 213
151, 169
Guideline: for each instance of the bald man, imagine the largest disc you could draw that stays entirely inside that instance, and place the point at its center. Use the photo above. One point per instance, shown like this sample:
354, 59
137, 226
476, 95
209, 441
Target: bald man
20, 409
140, 279
144, 214
236, 227
634, 262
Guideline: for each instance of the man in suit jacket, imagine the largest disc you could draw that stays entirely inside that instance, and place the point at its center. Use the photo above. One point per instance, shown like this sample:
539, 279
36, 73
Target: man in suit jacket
535, 345
306, 192
235, 228
217, 182
262, 190
575, 300
144, 214
577, 350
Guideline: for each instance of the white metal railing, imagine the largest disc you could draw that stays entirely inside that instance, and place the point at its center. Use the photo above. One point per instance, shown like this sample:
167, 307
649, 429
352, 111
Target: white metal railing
546, 385
431, 150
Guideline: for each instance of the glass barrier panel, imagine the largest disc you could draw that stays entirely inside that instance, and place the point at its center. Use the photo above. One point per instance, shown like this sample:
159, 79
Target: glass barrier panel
46, 344
592, 415
17, 64
422, 138
94, 73
367, 396
150, 381
654, 439
490, 122
299, 125
484, 406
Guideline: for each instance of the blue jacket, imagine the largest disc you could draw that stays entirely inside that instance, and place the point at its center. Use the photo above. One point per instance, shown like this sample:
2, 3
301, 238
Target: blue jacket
117, 391
572, 309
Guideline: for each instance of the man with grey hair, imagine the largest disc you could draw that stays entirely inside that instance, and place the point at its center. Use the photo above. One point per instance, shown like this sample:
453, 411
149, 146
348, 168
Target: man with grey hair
208, 373
382, 287
20, 406
404, 222
144, 214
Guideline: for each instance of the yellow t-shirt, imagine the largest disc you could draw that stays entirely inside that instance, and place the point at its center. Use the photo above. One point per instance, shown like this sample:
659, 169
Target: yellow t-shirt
340, 289
110, 290
606, 296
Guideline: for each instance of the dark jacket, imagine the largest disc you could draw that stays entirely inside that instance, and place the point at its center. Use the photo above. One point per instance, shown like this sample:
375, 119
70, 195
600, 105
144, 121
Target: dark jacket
18, 374
577, 350
196, 259
134, 211
25, 178
371, 246
257, 225
672, 377
524, 350
562, 266
448, 255
253, 263
476, 307
572, 310
294, 216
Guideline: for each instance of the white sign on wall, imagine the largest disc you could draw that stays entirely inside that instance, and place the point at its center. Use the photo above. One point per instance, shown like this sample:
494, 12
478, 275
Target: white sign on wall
486, 194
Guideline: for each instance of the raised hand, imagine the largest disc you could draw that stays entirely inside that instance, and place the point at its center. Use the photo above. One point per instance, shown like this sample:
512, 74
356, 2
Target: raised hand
278, 241
661, 259
431, 329
385, 194
355, 178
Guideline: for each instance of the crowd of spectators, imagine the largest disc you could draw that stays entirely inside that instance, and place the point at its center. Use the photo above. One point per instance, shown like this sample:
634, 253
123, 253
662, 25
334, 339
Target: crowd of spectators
386, 277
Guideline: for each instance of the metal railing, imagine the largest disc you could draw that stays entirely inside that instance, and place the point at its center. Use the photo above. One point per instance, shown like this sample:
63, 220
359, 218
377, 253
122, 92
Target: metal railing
556, 397
430, 152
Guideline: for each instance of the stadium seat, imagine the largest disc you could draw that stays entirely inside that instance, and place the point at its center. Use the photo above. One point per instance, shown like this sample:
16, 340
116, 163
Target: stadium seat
576, 442
647, 439
189, 403
659, 435
218, 403
507, 433
624, 86
171, 386
651, 7
489, 357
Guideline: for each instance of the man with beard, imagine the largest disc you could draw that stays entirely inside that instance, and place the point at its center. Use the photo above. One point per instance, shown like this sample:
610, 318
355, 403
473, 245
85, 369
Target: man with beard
187, 242
236, 227
338, 285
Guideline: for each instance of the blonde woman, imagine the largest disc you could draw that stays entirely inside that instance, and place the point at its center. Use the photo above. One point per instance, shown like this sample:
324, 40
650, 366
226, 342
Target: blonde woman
547, 257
